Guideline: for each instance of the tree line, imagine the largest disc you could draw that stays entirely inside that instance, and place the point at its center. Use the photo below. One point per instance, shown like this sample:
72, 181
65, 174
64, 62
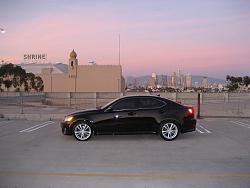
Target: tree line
235, 83
15, 76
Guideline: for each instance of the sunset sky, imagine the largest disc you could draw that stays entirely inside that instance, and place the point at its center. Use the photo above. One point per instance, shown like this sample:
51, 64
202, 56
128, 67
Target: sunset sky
202, 37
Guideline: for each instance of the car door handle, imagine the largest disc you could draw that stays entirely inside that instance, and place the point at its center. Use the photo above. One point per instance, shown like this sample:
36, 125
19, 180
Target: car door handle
131, 113
117, 116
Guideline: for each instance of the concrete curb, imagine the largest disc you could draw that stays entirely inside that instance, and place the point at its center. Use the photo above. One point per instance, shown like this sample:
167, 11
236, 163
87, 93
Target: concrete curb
34, 117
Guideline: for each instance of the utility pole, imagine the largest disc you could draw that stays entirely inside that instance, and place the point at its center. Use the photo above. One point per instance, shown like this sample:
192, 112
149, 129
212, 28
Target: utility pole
119, 49
199, 106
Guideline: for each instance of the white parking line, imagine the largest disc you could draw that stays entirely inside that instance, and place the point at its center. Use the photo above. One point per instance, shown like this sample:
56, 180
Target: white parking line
241, 124
199, 130
202, 129
38, 126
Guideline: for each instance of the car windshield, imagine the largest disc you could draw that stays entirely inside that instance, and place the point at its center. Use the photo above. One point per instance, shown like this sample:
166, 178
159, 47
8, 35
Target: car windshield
108, 104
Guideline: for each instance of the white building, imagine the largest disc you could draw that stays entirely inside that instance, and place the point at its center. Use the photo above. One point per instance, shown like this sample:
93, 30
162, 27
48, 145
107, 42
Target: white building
188, 80
204, 82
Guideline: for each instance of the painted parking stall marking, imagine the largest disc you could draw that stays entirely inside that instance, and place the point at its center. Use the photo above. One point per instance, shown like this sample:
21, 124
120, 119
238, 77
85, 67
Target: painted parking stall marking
201, 129
241, 124
36, 127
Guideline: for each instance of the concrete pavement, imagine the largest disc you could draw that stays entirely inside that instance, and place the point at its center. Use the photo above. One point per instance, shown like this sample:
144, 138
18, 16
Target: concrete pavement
36, 154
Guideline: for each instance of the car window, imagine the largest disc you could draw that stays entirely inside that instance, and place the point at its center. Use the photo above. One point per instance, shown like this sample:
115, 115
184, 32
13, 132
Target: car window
150, 103
124, 104
108, 104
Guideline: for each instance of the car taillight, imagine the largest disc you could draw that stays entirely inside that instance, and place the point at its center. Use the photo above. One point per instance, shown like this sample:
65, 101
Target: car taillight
190, 111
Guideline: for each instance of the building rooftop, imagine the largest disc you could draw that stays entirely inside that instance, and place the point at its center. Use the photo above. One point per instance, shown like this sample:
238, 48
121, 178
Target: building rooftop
36, 68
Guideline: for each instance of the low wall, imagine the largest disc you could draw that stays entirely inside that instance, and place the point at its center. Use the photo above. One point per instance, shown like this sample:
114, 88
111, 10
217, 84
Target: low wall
211, 104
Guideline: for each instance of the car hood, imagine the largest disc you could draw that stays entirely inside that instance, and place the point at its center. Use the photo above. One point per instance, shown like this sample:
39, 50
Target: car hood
87, 111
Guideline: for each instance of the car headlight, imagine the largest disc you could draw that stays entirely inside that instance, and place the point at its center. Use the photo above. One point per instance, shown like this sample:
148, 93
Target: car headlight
68, 118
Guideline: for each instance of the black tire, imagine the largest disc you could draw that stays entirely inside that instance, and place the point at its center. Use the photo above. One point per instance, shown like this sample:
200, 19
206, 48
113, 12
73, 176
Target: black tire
82, 131
169, 130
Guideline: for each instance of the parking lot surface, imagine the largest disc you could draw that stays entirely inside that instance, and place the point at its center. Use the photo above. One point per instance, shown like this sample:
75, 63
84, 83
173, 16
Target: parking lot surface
36, 154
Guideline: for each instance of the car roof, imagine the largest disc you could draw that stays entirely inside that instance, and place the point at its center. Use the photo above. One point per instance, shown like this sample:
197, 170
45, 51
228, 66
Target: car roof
145, 96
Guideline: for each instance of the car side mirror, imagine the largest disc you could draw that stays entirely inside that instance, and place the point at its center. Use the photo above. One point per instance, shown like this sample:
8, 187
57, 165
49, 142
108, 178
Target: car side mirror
98, 107
109, 109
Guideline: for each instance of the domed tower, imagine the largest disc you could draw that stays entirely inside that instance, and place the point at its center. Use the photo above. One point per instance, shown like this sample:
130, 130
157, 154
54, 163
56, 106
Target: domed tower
73, 63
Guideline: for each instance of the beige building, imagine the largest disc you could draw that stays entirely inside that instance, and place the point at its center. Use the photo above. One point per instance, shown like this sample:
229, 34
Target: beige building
84, 78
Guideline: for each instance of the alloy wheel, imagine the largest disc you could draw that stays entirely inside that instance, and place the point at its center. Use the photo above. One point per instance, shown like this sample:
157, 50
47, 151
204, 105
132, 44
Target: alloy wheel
82, 131
169, 131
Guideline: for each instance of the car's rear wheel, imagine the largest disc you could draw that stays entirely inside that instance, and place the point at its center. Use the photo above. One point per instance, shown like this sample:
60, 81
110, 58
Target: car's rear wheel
82, 131
169, 130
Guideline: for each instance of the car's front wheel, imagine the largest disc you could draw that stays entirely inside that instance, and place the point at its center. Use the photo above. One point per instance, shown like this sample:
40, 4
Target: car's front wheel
82, 131
169, 130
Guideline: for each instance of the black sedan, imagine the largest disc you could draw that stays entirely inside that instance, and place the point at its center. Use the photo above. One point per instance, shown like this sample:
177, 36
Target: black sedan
132, 114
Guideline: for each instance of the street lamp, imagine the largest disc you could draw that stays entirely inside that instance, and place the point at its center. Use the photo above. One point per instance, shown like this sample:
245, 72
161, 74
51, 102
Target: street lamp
2, 30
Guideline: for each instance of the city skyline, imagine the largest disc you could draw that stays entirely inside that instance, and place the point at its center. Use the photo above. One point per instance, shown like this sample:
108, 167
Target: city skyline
176, 80
200, 37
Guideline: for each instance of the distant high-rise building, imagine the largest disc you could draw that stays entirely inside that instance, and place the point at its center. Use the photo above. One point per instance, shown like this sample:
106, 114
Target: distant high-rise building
182, 81
154, 76
152, 82
174, 79
179, 78
164, 80
204, 82
169, 82
196, 84
188, 80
